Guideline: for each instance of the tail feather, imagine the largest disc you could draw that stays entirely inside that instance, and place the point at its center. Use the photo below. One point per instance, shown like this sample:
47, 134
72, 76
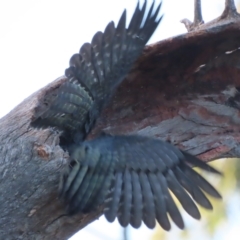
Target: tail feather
192, 188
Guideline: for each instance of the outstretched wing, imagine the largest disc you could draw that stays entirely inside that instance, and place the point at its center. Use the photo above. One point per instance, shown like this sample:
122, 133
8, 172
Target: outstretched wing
132, 176
95, 72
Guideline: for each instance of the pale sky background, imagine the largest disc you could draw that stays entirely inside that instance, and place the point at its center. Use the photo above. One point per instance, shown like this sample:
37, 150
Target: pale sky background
38, 37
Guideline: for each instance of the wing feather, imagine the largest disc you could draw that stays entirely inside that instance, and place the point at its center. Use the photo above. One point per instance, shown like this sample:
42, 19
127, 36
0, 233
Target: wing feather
200, 181
137, 203
76, 185
182, 195
171, 206
193, 189
113, 205
68, 177
148, 201
126, 201
160, 204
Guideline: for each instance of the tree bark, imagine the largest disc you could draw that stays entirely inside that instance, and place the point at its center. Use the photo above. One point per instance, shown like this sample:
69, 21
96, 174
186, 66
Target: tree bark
177, 91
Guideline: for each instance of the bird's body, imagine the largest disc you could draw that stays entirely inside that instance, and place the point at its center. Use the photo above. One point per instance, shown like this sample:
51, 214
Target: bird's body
129, 175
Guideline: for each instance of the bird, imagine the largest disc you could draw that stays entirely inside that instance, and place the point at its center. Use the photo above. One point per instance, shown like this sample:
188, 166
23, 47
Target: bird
133, 177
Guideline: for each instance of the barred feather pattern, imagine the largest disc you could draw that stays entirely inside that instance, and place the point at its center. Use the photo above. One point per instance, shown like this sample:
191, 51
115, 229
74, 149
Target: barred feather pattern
95, 72
133, 176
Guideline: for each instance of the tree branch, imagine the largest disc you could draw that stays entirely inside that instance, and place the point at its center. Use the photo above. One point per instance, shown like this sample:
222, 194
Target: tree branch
177, 91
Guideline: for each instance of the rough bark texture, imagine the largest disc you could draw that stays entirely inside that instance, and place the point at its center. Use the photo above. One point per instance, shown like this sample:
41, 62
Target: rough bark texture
177, 91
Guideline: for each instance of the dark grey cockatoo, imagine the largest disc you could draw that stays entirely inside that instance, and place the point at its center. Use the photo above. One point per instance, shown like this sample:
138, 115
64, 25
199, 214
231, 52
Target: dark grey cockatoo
130, 175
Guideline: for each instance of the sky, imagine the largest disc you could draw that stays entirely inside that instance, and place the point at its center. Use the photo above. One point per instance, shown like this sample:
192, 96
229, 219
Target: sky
38, 37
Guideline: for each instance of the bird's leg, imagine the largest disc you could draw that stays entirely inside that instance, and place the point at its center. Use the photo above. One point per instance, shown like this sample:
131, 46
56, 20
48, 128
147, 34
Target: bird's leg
198, 20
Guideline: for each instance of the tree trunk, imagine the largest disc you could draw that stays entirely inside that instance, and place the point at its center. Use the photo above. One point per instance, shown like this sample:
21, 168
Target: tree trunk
183, 90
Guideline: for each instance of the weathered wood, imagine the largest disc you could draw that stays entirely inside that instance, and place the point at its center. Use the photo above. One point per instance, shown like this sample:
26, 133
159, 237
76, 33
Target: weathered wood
31, 161
228, 16
174, 92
